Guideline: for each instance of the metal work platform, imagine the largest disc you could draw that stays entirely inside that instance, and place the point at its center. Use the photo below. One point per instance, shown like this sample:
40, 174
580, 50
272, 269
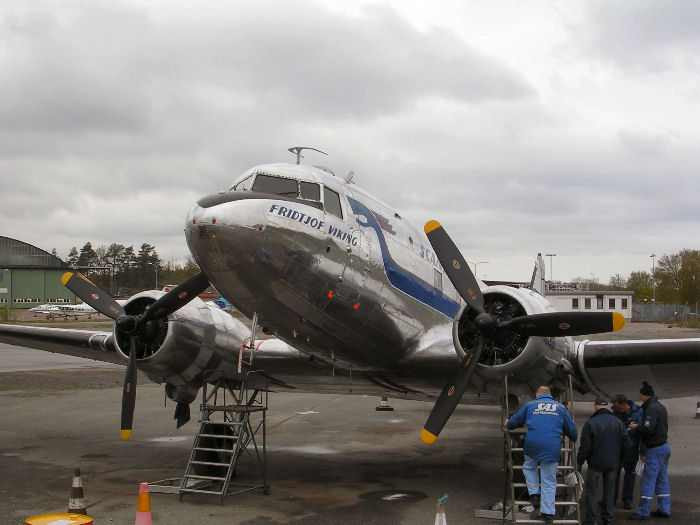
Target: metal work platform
515, 498
228, 431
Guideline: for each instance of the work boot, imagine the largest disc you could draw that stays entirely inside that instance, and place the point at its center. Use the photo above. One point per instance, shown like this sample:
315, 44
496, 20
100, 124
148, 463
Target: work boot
535, 500
638, 517
547, 518
659, 514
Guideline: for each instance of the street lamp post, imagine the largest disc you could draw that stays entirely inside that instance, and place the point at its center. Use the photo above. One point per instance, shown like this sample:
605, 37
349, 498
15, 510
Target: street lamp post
592, 279
551, 272
653, 277
476, 264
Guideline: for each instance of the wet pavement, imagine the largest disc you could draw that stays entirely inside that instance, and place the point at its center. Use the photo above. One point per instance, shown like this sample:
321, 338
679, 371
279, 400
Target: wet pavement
331, 459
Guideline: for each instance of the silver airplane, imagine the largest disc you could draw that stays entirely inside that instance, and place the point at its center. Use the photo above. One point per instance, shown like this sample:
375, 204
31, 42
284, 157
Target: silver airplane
358, 301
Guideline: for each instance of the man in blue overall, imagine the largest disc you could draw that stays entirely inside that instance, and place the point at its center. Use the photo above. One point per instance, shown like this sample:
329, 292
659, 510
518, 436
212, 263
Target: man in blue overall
655, 452
628, 412
546, 420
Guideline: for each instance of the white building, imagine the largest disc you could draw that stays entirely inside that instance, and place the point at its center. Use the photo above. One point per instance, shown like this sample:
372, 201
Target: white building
571, 298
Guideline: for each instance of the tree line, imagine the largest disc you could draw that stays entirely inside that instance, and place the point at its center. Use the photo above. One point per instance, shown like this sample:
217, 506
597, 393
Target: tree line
674, 280
122, 270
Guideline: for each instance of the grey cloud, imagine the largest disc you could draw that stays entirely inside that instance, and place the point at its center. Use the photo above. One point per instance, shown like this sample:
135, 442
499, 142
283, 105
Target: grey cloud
644, 33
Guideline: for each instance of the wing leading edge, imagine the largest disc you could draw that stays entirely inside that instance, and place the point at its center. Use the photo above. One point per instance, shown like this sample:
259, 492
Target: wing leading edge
671, 365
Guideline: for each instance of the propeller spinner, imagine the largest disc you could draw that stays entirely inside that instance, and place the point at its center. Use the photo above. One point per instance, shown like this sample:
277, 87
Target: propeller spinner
172, 301
551, 324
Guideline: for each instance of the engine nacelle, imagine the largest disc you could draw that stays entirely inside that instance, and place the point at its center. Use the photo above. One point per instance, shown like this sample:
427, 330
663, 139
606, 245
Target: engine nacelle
507, 351
177, 350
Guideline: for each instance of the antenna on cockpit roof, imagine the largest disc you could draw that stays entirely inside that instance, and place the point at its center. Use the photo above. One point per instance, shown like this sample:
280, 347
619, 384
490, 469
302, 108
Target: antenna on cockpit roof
298, 149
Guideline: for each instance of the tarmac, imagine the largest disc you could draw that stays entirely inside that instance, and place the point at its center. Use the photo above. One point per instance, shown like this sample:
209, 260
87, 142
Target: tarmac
331, 459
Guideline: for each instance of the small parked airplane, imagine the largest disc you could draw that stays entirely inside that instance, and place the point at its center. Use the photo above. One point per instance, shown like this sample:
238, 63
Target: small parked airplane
359, 301
57, 311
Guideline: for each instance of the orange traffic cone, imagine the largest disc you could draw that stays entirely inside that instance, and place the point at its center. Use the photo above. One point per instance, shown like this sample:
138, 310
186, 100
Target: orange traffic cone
143, 510
440, 518
76, 503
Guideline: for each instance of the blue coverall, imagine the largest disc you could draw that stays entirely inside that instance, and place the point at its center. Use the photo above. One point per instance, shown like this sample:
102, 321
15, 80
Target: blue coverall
546, 420
654, 435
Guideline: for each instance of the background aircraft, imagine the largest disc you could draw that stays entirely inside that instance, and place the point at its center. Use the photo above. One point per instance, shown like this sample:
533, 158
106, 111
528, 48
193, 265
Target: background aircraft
360, 302
57, 311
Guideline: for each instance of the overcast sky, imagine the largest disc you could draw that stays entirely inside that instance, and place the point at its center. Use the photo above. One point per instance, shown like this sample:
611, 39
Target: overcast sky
568, 128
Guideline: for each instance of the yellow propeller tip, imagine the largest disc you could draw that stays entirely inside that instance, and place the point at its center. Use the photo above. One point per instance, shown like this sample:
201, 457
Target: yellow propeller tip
126, 434
431, 225
427, 437
618, 321
66, 277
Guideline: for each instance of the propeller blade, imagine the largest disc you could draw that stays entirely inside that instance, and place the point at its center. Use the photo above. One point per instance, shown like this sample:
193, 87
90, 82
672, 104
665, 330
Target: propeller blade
451, 395
556, 324
92, 295
456, 268
129, 393
176, 298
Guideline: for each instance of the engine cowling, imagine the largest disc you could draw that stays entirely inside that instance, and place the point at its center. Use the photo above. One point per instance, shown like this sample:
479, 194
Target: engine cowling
505, 352
178, 349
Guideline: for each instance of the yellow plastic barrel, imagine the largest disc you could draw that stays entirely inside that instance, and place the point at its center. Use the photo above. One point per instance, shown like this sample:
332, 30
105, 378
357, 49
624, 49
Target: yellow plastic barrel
59, 519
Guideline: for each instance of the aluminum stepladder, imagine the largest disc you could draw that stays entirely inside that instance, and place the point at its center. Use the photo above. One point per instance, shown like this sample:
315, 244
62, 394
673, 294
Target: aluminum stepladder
226, 432
566, 497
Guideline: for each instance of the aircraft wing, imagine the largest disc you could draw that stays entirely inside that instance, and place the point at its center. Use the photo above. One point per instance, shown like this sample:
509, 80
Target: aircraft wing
80, 343
620, 366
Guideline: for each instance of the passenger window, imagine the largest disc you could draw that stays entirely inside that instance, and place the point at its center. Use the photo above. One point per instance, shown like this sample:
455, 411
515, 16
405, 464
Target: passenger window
331, 201
310, 191
275, 185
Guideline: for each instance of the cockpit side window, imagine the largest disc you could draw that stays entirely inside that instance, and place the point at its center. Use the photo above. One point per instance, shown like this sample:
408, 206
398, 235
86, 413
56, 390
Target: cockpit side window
310, 191
275, 185
244, 185
331, 202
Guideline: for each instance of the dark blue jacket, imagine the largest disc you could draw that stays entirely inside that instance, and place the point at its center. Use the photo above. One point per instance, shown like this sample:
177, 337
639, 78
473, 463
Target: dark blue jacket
654, 427
546, 420
633, 415
603, 441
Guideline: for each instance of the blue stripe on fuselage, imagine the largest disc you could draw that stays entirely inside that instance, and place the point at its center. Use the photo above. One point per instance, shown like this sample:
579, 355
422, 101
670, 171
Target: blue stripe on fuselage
400, 277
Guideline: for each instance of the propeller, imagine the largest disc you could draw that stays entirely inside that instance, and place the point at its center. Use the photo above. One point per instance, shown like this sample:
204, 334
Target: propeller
172, 301
550, 324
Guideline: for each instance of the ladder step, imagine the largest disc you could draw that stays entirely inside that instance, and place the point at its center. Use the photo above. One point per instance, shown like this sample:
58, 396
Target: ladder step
523, 485
520, 449
217, 436
220, 423
559, 522
559, 467
222, 450
557, 503
202, 491
213, 464
197, 476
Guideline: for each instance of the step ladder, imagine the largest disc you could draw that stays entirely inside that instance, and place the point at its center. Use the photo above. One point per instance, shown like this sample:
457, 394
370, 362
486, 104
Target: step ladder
567, 510
226, 432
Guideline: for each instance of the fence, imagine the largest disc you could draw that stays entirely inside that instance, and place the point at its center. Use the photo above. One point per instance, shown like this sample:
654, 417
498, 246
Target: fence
651, 313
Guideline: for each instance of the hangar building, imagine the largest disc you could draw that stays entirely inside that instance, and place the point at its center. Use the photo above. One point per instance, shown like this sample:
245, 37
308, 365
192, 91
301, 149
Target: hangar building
30, 276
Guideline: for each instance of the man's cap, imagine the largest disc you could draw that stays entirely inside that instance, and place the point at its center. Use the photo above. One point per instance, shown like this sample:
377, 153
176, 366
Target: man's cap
646, 389
601, 401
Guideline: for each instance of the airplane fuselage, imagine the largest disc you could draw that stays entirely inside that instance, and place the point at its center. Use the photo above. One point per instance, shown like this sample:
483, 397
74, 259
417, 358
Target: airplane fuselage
354, 283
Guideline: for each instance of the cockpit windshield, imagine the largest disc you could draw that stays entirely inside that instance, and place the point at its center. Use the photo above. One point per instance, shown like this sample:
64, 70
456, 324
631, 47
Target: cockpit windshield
287, 187
276, 185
